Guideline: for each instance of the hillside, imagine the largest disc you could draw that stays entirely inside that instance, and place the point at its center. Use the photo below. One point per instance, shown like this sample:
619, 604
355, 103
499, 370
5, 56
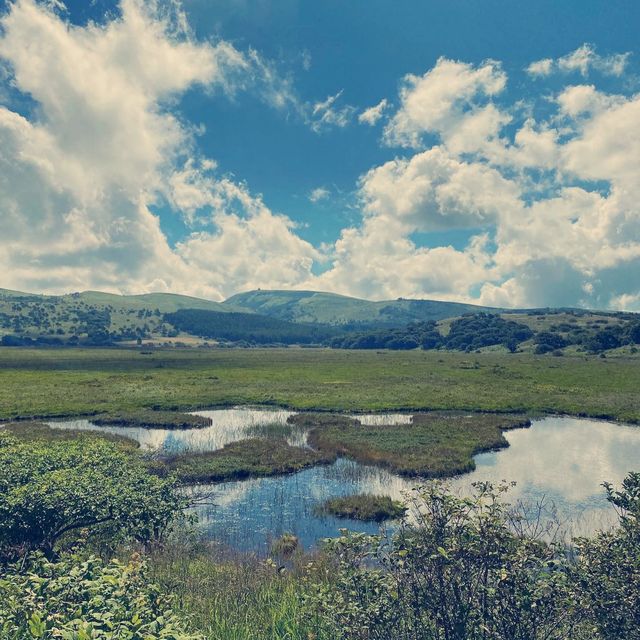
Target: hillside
93, 316
334, 309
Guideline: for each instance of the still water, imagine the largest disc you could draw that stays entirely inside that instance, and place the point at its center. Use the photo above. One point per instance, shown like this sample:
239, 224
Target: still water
228, 425
560, 460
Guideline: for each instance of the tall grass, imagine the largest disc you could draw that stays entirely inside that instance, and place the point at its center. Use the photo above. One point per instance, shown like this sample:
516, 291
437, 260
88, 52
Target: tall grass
228, 596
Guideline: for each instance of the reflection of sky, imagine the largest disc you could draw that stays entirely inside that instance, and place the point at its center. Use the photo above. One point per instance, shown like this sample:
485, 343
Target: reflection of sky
229, 425
564, 460
248, 514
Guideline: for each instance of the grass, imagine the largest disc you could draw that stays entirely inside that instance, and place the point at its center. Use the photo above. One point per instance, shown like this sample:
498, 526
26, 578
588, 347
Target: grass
236, 597
363, 506
243, 459
434, 445
153, 419
39, 431
72, 382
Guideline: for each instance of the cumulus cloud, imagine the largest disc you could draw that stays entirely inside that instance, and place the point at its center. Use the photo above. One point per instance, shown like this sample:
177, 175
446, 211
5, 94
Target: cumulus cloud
371, 115
434, 190
78, 179
439, 100
582, 60
557, 196
547, 191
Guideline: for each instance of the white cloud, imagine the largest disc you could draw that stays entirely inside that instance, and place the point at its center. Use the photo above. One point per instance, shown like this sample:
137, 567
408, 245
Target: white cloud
551, 196
582, 60
261, 250
434, 190
326, 113
318, 194
371, 115
541, 67
77, 182
437, 101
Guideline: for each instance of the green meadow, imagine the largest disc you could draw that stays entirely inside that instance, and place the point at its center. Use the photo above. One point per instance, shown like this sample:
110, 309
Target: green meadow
72, 382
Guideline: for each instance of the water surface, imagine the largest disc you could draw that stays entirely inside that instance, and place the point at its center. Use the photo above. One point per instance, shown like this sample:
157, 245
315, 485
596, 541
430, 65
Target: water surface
562, 461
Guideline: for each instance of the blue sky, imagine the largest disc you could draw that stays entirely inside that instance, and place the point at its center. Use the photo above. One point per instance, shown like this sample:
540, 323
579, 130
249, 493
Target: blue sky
257, 163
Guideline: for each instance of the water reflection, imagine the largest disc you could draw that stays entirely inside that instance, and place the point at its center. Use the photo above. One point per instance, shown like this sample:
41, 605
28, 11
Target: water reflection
564, 461
248, 515
561, 460
229, 425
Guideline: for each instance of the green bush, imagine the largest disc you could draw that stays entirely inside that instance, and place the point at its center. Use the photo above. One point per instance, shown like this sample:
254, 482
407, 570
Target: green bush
84, 599
607, 575
49, 490
456, 572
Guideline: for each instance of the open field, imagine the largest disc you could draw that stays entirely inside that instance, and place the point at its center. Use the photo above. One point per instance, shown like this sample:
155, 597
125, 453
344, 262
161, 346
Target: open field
50, 382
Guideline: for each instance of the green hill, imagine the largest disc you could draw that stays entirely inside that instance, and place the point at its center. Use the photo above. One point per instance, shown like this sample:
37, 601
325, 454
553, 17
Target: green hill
93, 316
330, 308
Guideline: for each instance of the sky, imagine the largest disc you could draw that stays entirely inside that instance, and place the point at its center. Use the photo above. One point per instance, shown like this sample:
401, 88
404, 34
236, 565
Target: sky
483, 151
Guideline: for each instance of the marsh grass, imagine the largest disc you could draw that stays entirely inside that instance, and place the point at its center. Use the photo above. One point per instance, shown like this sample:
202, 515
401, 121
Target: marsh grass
76, 382
228, 596
434, 445
39, 431
149, 419
362, 506
242, 459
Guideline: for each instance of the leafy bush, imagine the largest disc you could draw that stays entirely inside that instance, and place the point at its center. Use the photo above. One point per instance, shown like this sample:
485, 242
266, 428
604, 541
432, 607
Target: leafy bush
57, 488
607, 576
84, 599
458, 573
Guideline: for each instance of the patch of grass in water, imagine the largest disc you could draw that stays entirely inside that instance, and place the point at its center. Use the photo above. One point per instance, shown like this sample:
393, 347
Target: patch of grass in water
362, 506
149, 419
433, 445
242, 459
310, 419
39, 431
271, 430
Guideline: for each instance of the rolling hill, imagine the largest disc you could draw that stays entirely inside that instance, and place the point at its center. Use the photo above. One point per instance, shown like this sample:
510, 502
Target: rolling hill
330, 308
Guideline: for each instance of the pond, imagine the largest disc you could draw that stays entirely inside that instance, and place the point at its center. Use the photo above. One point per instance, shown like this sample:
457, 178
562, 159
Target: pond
560, 460
228, 425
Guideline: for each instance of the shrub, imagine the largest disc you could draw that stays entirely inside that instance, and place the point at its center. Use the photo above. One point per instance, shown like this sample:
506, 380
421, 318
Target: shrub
458, 573
84, 599
53, 489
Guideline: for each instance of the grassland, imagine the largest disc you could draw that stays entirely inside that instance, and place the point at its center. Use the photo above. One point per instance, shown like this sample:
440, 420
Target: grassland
433, 445
242, 459
149, 419
38, 431
73, 382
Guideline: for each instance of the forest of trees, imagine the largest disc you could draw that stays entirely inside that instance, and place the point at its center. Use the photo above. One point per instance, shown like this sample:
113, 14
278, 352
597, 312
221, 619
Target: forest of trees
246, 327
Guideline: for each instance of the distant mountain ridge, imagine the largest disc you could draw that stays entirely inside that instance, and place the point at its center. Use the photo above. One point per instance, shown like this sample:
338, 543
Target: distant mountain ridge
334, 309
164, 302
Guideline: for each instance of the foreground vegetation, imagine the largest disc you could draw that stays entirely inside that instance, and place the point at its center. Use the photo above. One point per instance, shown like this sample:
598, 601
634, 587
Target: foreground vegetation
73, 382
458, 569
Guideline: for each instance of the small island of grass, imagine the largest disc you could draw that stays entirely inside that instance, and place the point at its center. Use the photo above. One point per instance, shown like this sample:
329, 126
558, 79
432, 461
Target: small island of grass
435, 444
150, 419
239, 460
363, 506
30, 431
